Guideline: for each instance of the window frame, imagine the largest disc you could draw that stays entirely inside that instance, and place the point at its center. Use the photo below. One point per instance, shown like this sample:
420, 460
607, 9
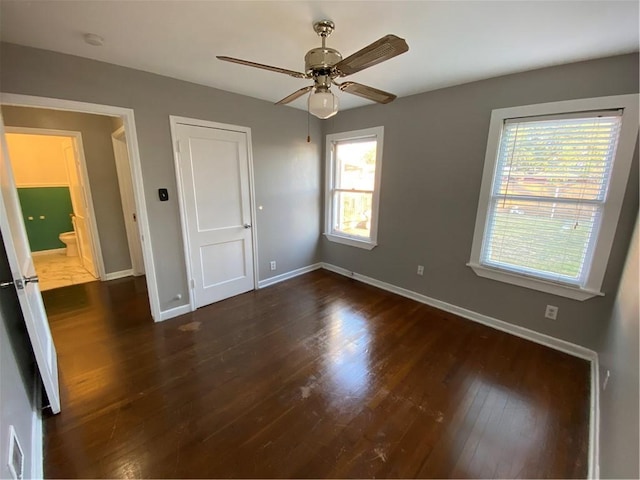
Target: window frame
612, 204
376, 133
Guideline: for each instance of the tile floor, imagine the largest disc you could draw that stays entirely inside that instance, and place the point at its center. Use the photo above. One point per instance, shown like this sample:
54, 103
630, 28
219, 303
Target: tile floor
56, 270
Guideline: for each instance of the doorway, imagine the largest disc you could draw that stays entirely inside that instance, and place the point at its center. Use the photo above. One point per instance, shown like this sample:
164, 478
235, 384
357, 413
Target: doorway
125, 118
51, 178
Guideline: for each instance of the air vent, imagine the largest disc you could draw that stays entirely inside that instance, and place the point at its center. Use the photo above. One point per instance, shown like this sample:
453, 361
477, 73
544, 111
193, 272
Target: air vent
16, 456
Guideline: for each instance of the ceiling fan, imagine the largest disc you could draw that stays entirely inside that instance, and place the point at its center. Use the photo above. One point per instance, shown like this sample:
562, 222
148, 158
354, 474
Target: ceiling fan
324, 65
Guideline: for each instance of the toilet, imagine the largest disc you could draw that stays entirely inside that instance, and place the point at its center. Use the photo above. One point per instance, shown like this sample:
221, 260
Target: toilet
71, 242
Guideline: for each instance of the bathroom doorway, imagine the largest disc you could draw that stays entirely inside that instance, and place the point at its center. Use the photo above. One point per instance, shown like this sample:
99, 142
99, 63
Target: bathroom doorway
51, 177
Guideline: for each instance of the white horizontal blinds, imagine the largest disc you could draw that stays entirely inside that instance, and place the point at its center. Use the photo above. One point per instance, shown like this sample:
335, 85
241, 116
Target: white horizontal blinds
548, 194
354, 184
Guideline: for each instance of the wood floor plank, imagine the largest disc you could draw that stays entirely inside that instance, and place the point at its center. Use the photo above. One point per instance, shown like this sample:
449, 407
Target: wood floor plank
316, 377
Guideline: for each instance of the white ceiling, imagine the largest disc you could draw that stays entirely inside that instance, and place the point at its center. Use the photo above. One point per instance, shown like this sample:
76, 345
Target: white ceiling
451, 42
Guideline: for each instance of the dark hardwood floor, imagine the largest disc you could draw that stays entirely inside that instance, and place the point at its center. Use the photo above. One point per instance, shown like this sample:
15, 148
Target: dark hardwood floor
319, 376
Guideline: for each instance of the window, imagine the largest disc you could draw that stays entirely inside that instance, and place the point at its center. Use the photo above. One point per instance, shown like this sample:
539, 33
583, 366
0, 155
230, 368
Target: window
552, 188
354, 161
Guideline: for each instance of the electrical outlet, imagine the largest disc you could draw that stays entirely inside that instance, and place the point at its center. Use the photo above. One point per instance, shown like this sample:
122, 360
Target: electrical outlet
273, 264
420, 270
606, 380
551, 312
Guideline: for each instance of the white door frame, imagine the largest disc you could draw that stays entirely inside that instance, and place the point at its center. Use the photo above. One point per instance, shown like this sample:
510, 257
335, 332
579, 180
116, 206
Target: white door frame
128, 202
128, 119
174, 121
96, 249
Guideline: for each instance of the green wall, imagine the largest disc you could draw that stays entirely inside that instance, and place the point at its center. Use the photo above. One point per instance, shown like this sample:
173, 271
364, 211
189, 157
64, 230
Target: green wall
54, 204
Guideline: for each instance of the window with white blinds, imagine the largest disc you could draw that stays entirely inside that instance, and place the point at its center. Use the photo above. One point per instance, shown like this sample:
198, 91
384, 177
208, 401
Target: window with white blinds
551, 181
551, 196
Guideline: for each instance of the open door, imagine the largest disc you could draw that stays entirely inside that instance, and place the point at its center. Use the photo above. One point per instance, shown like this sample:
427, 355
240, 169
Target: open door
125, 182
24, 278
80, 208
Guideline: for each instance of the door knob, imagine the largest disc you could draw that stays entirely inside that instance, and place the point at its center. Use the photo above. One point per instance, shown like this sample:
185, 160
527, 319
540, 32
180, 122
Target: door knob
32, 279
247, 225
6, 284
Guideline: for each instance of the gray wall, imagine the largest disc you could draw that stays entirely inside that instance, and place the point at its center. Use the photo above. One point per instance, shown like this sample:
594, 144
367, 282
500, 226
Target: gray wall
17, 375
619, 418
286, 168
101, 168
434, 148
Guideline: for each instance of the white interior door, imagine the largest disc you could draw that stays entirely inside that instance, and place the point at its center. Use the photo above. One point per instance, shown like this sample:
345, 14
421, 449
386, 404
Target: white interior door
128, 201
80, 209
23, 272
214, 178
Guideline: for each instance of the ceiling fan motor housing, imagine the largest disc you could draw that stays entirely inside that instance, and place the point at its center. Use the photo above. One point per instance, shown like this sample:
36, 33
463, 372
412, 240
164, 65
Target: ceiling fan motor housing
319, 61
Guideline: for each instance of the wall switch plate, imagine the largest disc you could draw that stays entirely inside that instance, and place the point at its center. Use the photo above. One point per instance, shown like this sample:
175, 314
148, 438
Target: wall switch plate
272, 264
551, 312
163, 194
420, 270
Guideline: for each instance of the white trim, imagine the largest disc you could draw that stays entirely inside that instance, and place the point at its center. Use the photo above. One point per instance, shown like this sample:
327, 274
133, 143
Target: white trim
286, 276
174, 121
76, 137
568, 291
128, 119
51, 251
173, 125
354, 242
116, 275
522, 332
372, 241
612, 206
37, 434
125, 184
174, 312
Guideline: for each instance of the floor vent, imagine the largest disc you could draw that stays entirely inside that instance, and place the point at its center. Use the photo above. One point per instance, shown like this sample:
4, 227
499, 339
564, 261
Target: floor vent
16, 456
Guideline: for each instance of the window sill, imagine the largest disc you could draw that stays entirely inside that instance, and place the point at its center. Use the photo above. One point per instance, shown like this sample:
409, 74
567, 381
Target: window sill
576, 293
353, 242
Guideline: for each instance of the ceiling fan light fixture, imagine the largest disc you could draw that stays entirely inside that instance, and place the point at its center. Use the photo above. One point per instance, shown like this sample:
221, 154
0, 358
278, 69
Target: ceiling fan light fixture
323, 104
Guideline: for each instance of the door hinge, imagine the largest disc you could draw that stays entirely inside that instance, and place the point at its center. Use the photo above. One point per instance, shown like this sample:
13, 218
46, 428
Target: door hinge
19, 284
193, 283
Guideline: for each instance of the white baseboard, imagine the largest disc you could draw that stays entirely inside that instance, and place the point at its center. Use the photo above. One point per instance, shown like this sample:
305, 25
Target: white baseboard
522, 332
37, 440
286, 276
116, 275
48, 252
174, 312
540, 338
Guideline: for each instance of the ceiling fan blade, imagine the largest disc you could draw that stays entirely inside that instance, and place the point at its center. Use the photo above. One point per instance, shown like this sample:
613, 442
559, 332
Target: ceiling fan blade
294, 95
264, 67
381, 50
369, 93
